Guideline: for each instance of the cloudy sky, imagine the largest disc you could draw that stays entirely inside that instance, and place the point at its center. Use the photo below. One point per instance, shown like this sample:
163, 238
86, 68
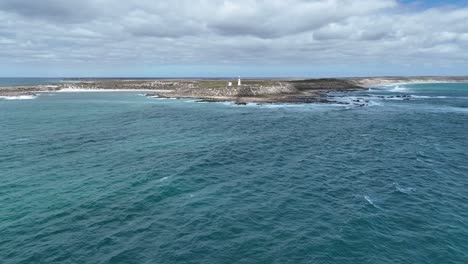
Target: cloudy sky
256, 38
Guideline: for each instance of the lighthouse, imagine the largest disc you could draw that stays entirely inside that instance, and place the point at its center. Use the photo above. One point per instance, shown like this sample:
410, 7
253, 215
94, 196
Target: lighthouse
239, 83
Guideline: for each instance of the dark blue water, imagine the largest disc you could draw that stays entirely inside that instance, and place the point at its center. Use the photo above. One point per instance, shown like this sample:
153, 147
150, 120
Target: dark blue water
121, 178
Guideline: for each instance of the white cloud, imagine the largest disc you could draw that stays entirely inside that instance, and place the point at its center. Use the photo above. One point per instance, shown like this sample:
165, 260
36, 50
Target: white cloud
261, 32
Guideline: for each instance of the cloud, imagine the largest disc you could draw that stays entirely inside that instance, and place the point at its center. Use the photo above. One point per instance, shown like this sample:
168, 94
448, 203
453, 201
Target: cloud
106, 33
53, 10
278, 18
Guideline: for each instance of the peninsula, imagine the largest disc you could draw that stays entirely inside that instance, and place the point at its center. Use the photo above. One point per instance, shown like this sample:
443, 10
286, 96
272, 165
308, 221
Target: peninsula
221, 90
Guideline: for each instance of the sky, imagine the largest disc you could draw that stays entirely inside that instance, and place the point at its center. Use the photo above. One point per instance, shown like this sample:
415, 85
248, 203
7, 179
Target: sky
227, 38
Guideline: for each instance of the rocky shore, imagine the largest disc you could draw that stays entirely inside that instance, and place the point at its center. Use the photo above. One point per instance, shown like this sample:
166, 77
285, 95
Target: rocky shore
251, 91
216, 90
260, 91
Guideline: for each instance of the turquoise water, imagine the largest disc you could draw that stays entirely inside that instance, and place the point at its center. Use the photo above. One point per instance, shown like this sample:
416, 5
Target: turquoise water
28, 81
121, 178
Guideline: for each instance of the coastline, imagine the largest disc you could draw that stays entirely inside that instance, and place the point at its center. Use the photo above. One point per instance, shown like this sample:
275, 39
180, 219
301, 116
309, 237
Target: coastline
207, 90
260, 91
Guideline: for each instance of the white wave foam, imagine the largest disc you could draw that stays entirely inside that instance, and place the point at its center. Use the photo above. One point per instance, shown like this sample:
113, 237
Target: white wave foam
374, 103
428, 97
369, 200
406, 190
163, 179
19, 97
399, 89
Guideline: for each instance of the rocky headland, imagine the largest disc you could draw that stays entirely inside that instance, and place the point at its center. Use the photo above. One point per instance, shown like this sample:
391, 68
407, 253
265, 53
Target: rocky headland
260, 91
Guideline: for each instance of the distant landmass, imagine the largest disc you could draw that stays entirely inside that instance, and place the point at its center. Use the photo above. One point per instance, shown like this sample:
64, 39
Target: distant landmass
218, 90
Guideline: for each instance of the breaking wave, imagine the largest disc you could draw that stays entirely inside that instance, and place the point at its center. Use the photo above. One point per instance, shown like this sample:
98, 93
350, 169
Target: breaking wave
428, 97
405, 190
19, 97
369, 200
399, 89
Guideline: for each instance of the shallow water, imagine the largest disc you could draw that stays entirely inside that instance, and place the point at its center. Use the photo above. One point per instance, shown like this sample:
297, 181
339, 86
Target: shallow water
121, 178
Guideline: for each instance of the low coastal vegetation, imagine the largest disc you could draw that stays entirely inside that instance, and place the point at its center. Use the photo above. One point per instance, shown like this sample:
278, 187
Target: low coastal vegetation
251, 90
216, 90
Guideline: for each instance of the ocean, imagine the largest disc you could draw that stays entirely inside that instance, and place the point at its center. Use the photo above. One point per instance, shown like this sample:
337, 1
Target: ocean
122, 178
7, 81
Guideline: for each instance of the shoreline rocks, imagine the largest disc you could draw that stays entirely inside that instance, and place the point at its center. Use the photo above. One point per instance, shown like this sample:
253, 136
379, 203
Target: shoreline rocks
262, 91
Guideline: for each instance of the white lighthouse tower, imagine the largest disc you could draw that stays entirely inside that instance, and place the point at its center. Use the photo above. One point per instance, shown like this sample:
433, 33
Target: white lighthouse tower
239, 83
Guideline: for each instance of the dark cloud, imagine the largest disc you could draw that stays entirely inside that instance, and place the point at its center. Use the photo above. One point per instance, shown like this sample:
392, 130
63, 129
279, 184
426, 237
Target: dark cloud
54, 10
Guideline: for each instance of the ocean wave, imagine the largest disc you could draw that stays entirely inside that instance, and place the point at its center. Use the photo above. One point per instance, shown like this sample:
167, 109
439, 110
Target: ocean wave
22, 139
399, 89
442, 109
369, 200
428, 97
405, 190
163, 179
451, 109
374, 103
19, 97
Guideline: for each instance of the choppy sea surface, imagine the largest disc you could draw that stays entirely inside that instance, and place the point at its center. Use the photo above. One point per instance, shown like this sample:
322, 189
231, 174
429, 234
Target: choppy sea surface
122, 178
